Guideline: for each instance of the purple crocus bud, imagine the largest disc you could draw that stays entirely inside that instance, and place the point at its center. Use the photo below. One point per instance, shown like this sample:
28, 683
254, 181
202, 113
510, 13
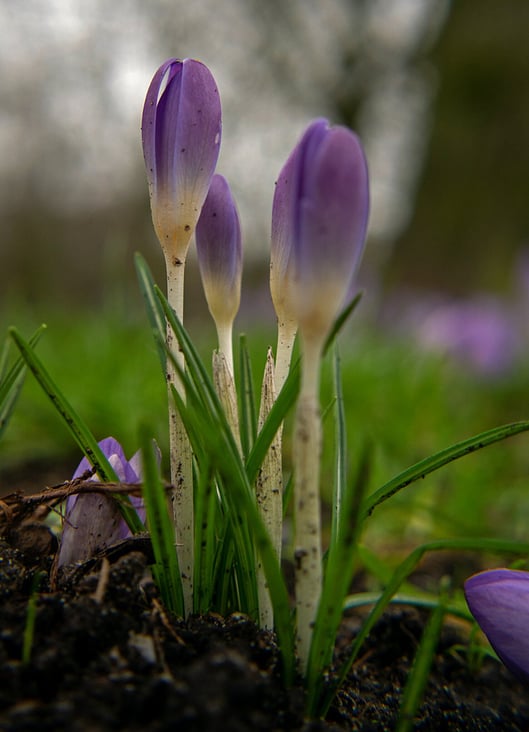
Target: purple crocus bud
319, 223
499, 600
93, 520
181, 131
218, 237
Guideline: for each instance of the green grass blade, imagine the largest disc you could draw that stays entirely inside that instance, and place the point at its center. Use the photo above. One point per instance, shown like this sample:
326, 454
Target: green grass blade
243, 514
165, 569
3, 360
340, 452
11, 380
284, 402
211, 535
400, 574
31, 618
206, 423
340, 321
341, 557
195, 375
155, 312
338, 576
422, 663
247, 408
426, 602
76, 426
225, 460
439, 459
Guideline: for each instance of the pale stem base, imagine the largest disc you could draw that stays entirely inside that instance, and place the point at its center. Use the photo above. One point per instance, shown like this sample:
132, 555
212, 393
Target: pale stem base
286, 335
180, 450
269, 493
225, 388
225, 339
307, 517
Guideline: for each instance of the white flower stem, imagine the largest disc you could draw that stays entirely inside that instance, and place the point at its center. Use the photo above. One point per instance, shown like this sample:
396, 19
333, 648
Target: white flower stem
179, 447
286, 335
269, 492
307, 517
225, 388
225, 339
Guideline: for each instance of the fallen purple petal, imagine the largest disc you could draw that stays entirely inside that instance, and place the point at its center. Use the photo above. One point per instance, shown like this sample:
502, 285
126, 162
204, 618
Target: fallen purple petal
93, 521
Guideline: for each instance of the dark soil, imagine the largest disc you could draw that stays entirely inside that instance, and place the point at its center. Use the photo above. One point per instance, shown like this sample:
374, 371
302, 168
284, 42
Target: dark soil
105, 656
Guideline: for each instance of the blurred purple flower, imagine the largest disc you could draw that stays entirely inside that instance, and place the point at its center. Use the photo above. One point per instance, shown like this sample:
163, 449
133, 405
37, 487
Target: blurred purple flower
319, 223
480, 333
218, 238
93, 520
181, 131
499, 601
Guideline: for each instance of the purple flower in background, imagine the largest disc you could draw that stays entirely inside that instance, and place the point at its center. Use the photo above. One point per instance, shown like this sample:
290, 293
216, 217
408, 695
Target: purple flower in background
499, 600
481, 333
319, 223
181, 131
93, 520
218, 237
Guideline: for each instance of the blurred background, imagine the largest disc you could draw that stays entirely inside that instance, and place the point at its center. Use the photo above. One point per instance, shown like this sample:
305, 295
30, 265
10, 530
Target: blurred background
437, 90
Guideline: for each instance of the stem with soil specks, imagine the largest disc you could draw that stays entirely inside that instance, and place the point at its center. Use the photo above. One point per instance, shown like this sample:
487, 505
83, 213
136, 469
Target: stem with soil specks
179, 446
307, 532
286, 335
269, 492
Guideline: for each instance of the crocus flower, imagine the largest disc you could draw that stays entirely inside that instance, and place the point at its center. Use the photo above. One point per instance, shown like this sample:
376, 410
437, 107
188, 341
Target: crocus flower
181, 130
319, 222
499, 600
218, 237
93, 520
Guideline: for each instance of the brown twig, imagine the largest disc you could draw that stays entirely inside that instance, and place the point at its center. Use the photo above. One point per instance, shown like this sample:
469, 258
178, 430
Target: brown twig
17, 507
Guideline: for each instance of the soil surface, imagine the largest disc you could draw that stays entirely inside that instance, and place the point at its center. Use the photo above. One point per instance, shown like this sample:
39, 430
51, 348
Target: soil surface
106, 656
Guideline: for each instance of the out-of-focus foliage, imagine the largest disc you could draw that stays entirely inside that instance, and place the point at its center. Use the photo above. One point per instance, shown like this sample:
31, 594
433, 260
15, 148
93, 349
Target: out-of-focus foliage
471, 215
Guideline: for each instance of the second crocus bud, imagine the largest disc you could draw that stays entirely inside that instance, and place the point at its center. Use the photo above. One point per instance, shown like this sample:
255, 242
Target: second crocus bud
218, 238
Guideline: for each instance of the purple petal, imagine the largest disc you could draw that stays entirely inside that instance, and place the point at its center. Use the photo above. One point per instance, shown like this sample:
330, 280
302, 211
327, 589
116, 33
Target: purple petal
480, 332
218, 239
93, 521
181, 130
319, 222
499, 601
285, 213
113, 451
148, 123
334, 207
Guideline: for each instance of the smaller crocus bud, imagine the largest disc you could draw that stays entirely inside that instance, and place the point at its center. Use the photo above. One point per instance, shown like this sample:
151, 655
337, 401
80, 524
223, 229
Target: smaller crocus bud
92, 520
218, 238
499, 601
181, 131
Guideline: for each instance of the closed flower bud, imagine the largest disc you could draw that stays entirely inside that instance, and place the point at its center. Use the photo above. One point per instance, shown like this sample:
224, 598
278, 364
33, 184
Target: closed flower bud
181, 131
319, 222
218, 238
